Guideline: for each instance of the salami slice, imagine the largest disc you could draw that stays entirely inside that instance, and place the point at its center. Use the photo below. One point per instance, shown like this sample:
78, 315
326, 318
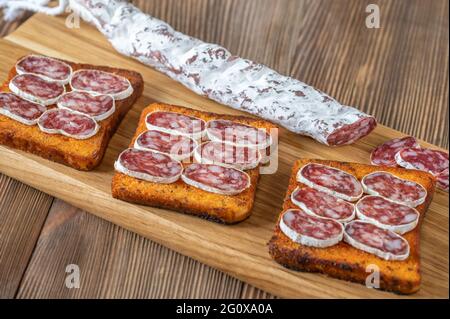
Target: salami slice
99, 107
238, 134
176, 123
35, 89
384, 154
309, 230
149, 166
396, 189
100, 82
242, 158
19, 109
442, 180
375, 240
331, 181
216, 179
176, 146
70, 124
320, 204
428, 160
49, 69
387, 214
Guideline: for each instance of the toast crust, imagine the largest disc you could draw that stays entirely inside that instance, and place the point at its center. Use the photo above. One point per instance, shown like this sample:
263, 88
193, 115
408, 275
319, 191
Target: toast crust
80, 154
185, 198
343, 261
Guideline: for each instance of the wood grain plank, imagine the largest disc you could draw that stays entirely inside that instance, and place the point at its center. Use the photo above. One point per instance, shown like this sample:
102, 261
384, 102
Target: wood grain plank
114, 263
22, 213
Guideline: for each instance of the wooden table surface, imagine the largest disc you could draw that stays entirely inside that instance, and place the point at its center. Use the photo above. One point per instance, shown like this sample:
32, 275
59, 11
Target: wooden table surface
399, 73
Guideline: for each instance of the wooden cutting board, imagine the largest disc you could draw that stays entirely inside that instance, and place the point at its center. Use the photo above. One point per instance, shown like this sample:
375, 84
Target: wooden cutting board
239, 250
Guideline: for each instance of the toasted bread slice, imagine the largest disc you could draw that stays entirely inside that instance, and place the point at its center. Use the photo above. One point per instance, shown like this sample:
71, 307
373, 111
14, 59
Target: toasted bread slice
184, 198
80, 154
344, 261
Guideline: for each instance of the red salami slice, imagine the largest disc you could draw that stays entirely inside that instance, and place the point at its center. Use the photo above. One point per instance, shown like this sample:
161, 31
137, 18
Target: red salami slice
233, 133
387, 214
242, 158
19, 109
349, 134
99, 107
176, 123
149, 166
331, 181
396, 189
428, 160
49, 69
309, 230
75, 125
384, 155
176, 146
216, 179
375, 240
35, 89
100, 82
442, 180
320, 204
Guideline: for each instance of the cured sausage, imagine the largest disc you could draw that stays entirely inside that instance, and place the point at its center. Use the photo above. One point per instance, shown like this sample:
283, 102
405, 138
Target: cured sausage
238, 134
331, 181
19, 109
176, 123
35, 89
387, 214
149, 166
320, 204
101, 82
49, 69
212, 71
442, 180
384, 154
99, 107
309, 230
428, 160
70, 124
216, 179
242, 158
375, 240
394, 188
176, 146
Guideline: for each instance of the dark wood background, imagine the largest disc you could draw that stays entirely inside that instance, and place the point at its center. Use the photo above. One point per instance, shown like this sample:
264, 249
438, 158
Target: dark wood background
399, 73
